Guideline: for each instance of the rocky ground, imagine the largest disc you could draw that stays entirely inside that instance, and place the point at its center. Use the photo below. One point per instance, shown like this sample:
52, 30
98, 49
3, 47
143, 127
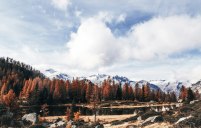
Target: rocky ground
188, 115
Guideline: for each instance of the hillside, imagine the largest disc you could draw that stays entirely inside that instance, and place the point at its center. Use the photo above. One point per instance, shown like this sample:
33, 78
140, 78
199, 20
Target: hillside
14, 73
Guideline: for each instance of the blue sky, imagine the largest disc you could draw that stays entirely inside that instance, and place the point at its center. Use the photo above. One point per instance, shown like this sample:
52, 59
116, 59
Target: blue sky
139, 39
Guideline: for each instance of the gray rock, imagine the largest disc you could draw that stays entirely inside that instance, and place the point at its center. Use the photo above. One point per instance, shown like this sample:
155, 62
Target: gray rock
32, 117
73, 126
192, 102
139, 118
58, 124
99, 126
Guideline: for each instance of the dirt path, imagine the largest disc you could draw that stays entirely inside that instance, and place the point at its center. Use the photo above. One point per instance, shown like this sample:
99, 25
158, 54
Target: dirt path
102, 118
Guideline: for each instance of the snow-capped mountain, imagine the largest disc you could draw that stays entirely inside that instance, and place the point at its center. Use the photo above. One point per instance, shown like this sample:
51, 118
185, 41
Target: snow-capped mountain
152, 86
51, 73
170, 86
164, 85
98, 79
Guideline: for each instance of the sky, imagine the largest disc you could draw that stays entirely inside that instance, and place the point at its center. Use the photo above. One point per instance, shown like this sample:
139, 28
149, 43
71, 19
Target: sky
139, 39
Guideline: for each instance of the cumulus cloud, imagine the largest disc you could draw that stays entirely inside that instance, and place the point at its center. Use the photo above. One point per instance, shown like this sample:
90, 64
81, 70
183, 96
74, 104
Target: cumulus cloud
61, 4
164, 36
94, 45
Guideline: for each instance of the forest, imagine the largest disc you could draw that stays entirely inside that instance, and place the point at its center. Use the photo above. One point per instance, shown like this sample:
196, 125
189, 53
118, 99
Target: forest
21, 84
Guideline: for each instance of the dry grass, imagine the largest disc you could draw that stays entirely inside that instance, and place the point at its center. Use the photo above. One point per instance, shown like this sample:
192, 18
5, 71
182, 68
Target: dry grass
159, 125
103, 118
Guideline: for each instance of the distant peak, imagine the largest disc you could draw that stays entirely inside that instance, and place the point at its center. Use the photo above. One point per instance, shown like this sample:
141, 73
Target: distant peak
50, 70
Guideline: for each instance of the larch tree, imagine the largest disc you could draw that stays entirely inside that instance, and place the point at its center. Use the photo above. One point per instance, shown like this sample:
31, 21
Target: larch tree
183, 93
88, 91
125, 93
10, 99
137, 91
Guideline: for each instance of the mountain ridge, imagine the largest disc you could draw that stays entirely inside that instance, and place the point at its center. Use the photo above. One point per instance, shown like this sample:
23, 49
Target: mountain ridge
164, 85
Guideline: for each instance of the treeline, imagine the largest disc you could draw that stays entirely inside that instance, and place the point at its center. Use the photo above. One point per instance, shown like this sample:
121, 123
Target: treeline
39, 91
21, 84
187, 94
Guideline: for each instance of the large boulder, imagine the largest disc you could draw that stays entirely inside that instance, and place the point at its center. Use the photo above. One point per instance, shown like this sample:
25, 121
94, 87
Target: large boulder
31, 117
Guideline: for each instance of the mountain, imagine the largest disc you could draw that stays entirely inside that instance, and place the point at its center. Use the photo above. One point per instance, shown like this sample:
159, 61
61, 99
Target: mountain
170, 86
98, 79
164, 85
51, 73
152, 86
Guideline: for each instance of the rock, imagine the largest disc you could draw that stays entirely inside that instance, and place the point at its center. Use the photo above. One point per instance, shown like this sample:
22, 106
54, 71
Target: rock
183, 118
152, 119
163, 109
58, 124
99, 126
69, 122
156, 110
171, 107
139, 118
73, 126
167, 109
179, 105
180, 100
32, 117
192, 102
135, 113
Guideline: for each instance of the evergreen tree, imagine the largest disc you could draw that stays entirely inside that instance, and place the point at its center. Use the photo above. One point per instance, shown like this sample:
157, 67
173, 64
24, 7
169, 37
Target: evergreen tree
190, 95
119, 93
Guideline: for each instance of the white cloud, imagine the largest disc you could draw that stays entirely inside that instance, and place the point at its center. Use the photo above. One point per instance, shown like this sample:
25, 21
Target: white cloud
39, 39
91, 46
164, 36
61, 4
94, 45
